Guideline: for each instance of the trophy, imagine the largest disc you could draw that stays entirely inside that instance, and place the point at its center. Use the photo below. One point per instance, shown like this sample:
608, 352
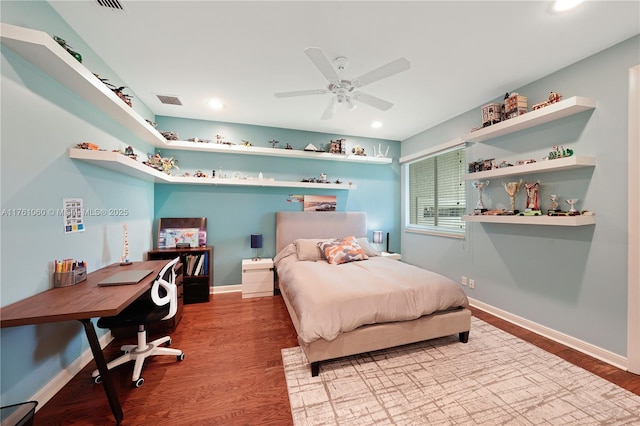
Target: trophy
479, 185
512, 189
572, 202
553, 206
532, 195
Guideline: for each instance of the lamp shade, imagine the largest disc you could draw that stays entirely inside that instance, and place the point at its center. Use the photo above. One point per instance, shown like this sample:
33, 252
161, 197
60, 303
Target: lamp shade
256, 241
377, 237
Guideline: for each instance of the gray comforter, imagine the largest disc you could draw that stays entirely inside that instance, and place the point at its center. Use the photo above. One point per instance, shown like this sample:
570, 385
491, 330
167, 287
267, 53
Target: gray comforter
333, 299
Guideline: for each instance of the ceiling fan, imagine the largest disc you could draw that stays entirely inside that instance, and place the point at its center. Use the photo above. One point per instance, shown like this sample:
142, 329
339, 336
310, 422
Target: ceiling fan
343, 90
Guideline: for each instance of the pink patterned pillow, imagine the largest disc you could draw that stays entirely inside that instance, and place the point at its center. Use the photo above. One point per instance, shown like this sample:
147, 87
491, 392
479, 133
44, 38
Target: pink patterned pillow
342, 251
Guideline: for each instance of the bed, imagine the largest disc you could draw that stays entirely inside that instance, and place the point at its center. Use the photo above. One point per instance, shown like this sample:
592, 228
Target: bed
362, 305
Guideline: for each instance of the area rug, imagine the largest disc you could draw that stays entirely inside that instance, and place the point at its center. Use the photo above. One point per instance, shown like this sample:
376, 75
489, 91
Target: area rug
495, 379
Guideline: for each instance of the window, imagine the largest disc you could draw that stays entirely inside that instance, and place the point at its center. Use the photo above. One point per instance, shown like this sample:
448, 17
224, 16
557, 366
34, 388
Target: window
436, 199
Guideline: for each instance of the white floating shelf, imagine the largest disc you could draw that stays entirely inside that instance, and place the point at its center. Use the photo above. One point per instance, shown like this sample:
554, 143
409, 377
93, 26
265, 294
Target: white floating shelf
122, 164
565, 163
564, 108
533, 220
40, 49
44, 52
277, 152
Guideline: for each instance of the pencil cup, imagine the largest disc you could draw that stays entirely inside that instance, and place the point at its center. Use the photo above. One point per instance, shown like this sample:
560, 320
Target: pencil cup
66, 279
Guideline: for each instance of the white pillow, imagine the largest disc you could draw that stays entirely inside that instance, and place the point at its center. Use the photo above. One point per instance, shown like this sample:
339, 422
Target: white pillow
307, 248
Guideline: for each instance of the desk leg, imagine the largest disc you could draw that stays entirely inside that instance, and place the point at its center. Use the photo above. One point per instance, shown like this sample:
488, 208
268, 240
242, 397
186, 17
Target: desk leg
98, 356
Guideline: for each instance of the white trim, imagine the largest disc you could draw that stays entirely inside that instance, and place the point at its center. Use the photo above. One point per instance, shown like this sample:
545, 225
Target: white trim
432, 151
56, 384
221, 289
577, 344
633, 274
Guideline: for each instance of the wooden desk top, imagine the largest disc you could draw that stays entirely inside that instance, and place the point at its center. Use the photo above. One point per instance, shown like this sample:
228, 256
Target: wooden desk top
80, 301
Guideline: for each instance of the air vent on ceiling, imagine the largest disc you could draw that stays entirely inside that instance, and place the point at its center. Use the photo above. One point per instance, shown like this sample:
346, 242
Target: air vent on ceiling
111, 4
169, 100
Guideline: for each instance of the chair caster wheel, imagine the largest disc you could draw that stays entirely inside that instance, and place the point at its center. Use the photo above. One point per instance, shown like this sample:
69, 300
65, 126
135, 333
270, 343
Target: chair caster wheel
180, 357
138, 382
97, 379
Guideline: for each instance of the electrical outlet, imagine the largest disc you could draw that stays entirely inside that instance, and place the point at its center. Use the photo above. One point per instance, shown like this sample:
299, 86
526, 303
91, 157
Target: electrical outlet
472, 283
463, 280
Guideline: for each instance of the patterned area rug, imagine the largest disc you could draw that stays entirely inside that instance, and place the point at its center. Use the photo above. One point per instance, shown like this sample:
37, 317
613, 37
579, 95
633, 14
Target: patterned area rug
495, 379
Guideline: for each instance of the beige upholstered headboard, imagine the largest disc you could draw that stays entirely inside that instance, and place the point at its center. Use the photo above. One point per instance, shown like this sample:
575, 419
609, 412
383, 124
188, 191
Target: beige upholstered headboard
293, 225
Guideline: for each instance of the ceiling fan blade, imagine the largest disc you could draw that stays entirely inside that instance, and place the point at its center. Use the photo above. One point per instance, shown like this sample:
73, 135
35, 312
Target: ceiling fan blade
394, 67
301, 93
372, 101
321, 62
331, 109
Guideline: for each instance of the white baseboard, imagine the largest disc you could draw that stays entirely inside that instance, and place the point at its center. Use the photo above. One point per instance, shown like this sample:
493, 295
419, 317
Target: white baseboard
577, 344
226, 289
61, 379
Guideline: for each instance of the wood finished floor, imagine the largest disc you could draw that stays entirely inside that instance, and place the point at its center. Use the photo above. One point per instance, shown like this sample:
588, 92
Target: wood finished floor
232, 373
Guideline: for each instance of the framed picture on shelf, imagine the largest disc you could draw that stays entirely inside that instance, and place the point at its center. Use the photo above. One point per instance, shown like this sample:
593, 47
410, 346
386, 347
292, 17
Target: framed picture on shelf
180, 232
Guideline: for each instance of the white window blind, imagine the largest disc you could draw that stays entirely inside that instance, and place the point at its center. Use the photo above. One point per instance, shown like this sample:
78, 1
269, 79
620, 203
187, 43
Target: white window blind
437, 192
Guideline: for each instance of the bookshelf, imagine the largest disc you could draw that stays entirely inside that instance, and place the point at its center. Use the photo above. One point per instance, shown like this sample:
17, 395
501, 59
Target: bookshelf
196, 284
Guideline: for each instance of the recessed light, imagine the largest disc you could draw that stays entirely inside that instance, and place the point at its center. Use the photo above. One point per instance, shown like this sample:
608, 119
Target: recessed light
376, 124
215, 104
562, 5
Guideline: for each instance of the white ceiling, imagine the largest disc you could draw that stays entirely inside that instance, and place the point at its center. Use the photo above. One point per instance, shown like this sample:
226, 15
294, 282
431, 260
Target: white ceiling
462, 54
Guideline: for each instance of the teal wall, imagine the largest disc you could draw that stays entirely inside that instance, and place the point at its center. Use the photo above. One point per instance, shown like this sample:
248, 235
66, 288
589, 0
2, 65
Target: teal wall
570, 279
41, 120
234, 212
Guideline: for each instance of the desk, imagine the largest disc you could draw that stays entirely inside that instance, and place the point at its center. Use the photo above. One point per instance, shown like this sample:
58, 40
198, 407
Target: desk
82, 302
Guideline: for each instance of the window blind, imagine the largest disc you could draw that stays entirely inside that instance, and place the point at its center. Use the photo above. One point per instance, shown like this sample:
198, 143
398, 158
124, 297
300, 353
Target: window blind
437, 191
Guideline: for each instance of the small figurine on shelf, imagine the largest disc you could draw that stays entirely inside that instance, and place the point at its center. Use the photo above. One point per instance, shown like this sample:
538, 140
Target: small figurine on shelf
199, 140
199, 174
66, 47
337, 146
170, 136
128, 151
553, 205
273, 143
358, 150
246, 143
323, 178
559, 152
288, 146
88, 145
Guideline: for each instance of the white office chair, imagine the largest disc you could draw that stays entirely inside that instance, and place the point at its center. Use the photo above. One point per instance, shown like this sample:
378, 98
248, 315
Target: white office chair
141, 312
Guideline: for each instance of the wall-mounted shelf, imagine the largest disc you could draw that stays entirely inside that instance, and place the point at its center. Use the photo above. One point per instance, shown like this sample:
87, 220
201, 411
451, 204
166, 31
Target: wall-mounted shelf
564, 108
533, 220
565, 163
40, 49
277, 152
128, 166
44, 52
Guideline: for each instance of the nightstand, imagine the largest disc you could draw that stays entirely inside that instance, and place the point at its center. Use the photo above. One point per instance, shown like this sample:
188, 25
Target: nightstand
394, 256
257, 278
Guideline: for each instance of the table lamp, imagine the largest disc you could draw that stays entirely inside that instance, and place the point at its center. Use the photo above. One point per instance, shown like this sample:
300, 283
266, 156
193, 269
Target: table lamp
377, 238
256, 243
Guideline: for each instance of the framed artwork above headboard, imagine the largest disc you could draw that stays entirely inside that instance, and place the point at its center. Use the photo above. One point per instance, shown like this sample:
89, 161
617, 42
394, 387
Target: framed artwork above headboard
182, 232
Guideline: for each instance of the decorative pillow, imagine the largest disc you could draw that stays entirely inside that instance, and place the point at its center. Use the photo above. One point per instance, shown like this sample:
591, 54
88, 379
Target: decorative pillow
369, 250
342, 251
307, 249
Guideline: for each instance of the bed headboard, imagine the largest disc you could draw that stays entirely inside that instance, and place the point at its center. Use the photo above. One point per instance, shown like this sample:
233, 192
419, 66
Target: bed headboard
293, 225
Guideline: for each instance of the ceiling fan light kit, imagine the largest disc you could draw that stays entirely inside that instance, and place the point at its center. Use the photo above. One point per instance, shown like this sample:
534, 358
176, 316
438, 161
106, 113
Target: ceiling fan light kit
344, 90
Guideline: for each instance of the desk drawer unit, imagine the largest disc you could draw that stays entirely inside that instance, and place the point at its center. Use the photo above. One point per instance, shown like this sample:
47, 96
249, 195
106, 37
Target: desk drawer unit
257, 278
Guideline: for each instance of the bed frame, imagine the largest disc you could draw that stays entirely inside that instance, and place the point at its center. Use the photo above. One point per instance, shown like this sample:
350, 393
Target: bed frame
293, 225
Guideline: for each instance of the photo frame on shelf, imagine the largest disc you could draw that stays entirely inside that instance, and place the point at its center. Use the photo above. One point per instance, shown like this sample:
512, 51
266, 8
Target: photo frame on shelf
182, 232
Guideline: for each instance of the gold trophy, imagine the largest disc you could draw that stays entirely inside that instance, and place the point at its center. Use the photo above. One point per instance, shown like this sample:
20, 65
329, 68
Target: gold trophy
512, 189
